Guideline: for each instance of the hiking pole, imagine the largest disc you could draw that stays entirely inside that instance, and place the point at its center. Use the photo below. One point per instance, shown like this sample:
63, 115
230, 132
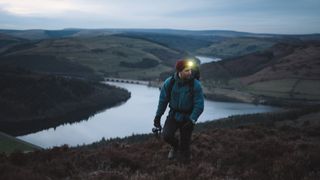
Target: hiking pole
157, 132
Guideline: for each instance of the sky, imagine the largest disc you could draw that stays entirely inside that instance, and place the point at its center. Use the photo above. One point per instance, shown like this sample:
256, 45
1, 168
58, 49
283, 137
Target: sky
257, 16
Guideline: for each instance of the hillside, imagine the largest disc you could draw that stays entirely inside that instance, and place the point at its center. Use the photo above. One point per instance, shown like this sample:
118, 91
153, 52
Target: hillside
210, 44
7, 41
234, 47
10, 144
285, 147
128, 53
286, 61
216, 43
103, 55
286, 70
45, 34
189, 43
30, 102
37, 34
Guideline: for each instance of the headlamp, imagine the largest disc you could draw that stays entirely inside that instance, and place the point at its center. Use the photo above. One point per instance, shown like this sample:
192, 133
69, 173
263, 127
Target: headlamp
190, 64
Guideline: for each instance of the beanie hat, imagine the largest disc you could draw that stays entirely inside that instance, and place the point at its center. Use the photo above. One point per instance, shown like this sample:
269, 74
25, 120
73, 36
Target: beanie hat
180, 65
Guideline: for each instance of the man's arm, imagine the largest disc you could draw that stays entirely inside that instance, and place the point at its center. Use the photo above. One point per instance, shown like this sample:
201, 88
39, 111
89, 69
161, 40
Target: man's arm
198, 102
163, 98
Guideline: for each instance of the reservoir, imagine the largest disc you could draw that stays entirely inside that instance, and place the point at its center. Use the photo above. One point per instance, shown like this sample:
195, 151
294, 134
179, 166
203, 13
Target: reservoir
204, 59
132, 117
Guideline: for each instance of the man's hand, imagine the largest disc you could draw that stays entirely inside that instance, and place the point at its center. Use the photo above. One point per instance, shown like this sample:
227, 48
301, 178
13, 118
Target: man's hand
156, 122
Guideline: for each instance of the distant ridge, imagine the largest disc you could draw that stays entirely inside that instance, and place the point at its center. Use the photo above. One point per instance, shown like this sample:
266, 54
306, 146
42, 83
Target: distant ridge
68, 32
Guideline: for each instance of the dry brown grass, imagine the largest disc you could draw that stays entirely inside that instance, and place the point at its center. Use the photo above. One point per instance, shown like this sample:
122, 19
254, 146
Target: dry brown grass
249, 152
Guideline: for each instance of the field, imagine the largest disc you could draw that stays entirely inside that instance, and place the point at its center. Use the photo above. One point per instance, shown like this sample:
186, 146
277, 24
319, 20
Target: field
287, 88
308, 89
278, 88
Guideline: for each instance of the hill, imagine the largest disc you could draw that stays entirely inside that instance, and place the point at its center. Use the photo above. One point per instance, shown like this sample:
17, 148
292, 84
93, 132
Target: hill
284, 147
102, 55
36, 34
183, 42
128, 53
205, 42
234, 47
286, 71
45, 34
10, 144
30, 102
211, 43
7, 41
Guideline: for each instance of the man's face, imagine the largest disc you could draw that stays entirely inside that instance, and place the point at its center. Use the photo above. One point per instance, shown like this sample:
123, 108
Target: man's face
185, 73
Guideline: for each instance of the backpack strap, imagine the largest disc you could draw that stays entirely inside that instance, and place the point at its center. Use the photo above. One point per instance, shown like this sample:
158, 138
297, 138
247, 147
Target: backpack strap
191, 86
169, 89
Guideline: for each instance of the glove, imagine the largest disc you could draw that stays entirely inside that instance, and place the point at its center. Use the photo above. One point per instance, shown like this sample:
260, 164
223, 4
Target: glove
156, 122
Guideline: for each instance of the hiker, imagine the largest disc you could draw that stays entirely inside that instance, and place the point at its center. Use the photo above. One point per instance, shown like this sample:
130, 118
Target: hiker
183, 92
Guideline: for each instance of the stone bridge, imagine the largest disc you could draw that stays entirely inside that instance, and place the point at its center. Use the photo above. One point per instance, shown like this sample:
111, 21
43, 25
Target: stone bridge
131, 81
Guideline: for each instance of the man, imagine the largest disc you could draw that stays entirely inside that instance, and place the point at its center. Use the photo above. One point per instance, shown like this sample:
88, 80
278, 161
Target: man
184, 95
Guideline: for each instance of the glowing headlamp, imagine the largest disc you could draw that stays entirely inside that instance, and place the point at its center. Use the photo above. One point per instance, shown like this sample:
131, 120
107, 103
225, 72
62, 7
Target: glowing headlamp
190, 64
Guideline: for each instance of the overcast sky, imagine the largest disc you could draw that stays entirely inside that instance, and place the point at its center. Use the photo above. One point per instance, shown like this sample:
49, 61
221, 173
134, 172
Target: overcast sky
260, 16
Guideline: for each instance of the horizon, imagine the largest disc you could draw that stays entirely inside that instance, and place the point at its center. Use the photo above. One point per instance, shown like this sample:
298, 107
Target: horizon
254, 16
159, 29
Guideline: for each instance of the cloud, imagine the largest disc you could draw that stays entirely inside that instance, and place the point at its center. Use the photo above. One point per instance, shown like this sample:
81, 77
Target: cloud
35, 7
117, 8
248, 15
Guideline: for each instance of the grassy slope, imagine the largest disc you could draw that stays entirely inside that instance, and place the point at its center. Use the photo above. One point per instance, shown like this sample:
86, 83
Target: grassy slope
7, 41
272, 146
233, 47
215, 45
286, 71
288, 88
188, 43
40, 34
9, 144
103, 54
295, 75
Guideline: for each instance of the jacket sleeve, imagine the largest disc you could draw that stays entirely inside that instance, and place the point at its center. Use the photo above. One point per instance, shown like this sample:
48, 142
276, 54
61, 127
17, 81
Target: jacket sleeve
198, 101
163, 98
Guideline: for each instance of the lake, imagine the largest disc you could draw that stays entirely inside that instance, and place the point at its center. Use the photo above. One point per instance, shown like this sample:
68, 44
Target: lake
132, 117
204, 59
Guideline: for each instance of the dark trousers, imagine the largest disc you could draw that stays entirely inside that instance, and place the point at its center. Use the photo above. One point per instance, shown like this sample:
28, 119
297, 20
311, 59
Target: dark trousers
185, 128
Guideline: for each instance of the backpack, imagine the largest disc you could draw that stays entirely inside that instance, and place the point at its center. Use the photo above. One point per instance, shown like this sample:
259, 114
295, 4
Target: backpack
196, 73
168, 92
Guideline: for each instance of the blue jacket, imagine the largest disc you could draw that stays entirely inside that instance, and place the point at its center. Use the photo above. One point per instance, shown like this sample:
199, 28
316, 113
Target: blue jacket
181, 99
